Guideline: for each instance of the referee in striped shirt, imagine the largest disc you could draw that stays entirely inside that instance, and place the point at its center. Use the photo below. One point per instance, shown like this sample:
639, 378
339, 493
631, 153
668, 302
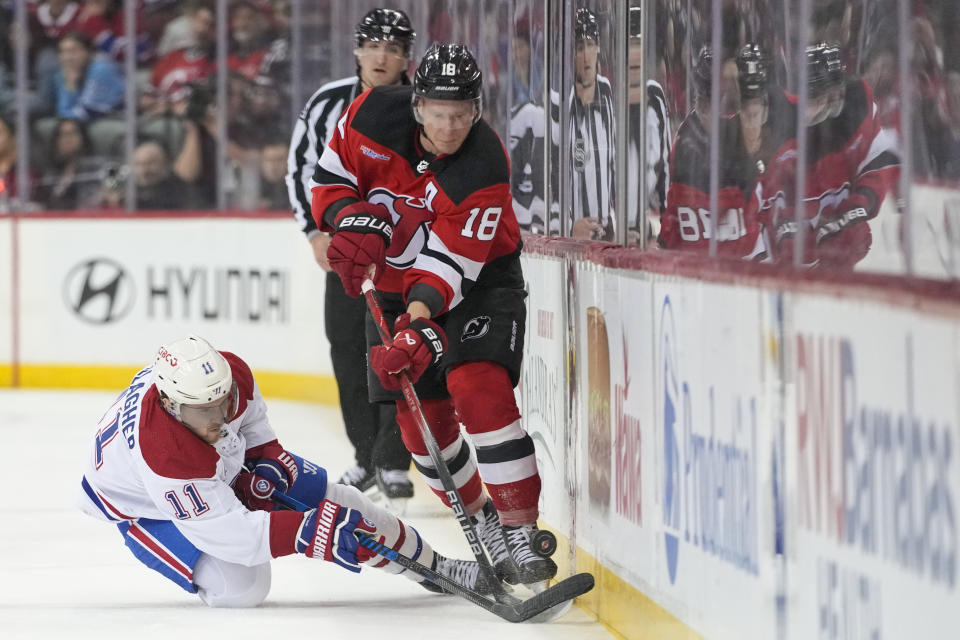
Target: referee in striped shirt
592, 133
384, 44
648, 108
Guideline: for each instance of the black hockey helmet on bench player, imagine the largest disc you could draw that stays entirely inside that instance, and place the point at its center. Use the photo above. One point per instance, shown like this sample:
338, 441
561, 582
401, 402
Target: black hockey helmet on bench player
752, 71
389, 25
825, 81
448, 72
703, 70
825, 68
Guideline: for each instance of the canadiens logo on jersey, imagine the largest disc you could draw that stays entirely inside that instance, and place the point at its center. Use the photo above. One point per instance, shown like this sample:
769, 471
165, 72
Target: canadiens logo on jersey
475, 328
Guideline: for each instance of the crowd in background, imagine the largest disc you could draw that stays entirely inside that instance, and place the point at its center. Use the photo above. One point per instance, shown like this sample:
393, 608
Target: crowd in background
77, 86
76, 103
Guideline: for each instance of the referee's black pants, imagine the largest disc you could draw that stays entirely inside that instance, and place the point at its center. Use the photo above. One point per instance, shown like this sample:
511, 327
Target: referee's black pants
371, 428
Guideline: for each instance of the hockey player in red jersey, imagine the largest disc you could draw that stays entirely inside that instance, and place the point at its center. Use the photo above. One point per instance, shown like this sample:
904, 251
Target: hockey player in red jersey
416, 187
686, 223
851, 164
186, 464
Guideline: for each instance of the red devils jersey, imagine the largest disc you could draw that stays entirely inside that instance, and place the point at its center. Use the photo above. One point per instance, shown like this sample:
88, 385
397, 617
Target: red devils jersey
453, 218
851, 164
686, 223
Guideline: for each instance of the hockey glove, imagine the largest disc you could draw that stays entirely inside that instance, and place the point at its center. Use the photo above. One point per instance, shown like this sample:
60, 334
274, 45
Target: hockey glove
363, 233
327, 533
416, 345
830, 227
274, 470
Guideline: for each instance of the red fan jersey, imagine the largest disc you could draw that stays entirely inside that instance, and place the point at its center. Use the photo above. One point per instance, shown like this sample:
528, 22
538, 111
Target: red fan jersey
453, 217
851, 164
174, 71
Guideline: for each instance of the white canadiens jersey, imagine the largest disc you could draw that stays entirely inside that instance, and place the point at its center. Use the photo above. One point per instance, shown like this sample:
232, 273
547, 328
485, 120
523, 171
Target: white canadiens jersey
143, 463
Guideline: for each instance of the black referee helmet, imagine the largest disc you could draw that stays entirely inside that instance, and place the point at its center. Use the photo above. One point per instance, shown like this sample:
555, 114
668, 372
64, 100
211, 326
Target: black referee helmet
636, 22
586, 25
386, 24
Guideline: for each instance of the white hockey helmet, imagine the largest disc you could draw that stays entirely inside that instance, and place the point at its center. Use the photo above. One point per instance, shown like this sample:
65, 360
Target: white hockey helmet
191, 371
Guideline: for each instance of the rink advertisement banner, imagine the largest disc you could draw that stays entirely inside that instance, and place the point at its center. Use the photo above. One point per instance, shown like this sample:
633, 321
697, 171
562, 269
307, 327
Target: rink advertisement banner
615, 451
874, 472
107, 291
543, 385
6, 300
712, 439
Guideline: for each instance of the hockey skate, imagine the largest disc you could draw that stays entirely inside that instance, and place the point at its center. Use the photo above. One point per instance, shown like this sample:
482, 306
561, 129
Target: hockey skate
395, 488
487, 523
534, 569
359, 477
464, 572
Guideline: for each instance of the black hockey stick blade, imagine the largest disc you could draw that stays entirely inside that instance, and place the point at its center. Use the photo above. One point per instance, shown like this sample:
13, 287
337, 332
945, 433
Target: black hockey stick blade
520, 611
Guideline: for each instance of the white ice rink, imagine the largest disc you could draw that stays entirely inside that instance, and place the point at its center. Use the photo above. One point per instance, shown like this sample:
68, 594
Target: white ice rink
66, 575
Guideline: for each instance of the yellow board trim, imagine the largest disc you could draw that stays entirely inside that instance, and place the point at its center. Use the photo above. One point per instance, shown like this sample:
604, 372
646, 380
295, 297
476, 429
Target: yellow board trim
319, 389
620, 607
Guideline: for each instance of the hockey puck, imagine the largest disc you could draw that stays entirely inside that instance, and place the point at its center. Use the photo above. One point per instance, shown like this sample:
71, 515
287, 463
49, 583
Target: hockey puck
544, 543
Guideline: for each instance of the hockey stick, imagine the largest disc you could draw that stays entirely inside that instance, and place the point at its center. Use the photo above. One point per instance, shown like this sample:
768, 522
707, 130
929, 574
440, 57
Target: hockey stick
449, 487
538, 605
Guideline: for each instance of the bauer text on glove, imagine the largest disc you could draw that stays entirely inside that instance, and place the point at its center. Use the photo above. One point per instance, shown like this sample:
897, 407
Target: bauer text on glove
363, 233
416, 345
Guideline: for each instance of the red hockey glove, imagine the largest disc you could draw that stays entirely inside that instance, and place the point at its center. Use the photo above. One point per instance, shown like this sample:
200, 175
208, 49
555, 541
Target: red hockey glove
253, 498
275, 470
830, 226
327, 533
416, 345
363, 233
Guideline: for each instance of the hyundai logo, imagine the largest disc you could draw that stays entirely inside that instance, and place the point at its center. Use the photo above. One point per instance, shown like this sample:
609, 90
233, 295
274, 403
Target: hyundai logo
99, 291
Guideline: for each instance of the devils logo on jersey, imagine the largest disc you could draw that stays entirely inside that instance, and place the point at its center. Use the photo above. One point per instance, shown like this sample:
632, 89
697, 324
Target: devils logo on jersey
475, 328
412, 218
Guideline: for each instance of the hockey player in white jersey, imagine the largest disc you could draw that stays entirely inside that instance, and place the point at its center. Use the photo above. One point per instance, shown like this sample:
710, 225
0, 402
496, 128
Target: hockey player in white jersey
186, 464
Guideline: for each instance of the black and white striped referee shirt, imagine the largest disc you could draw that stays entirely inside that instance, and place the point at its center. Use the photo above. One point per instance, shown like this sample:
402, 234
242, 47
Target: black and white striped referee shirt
311, 133
657, 172
592, 135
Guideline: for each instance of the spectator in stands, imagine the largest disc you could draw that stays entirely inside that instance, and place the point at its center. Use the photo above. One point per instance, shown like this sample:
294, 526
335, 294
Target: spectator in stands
257, 113
196, 164
72, 179
249, 38
277, 61
103, 22
8, 161
944, 138
84, 86
157, 186
176, 72
273, 172
8, 97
